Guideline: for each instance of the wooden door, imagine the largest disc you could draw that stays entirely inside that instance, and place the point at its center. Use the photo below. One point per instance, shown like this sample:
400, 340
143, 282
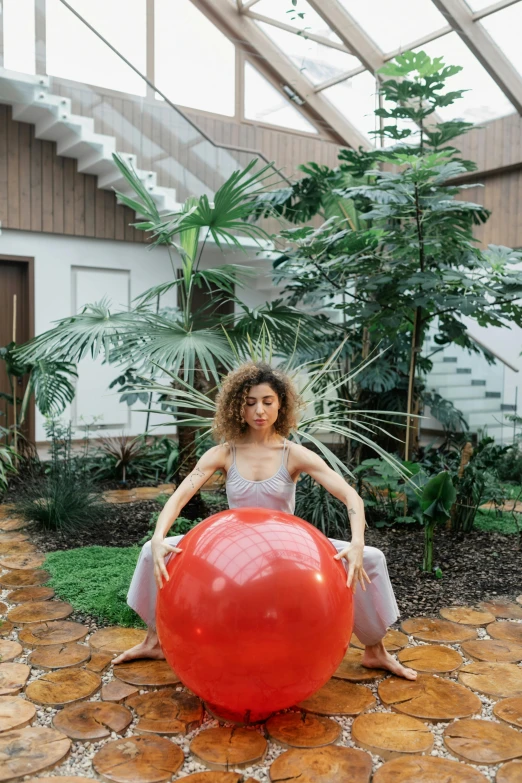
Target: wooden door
16, 320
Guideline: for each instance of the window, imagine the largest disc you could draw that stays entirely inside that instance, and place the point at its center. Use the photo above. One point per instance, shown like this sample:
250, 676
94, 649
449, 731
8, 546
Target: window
19, 32
194, 61
74, 52
263, 103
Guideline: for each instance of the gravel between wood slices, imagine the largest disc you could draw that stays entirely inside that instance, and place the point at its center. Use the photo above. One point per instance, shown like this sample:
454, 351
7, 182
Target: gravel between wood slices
79, 762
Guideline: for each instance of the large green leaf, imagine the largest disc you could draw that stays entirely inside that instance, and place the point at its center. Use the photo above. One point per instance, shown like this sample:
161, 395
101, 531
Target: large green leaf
53, 385
437, 498
94, 331
167, 344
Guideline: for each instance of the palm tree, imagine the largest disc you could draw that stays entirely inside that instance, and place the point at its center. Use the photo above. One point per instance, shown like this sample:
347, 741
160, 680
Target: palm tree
191, 346
318, 382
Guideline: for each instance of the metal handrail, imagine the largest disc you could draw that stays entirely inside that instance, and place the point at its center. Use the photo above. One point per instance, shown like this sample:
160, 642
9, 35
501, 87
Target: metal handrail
489, 350
191, 122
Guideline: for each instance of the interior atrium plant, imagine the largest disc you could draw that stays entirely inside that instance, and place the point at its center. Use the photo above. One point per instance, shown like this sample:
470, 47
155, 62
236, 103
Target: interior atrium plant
396, 254
187, 342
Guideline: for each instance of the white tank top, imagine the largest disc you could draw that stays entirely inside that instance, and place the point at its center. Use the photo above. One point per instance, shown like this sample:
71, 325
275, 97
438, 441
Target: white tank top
277, 492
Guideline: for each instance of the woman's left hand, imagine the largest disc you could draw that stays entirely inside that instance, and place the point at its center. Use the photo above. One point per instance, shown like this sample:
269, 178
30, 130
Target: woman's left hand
353, 554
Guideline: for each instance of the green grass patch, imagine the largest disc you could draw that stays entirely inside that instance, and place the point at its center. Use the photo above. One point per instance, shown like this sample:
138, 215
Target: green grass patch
95, 580
491, 522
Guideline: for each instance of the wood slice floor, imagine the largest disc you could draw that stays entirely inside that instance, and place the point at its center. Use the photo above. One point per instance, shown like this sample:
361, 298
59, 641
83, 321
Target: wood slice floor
68, 715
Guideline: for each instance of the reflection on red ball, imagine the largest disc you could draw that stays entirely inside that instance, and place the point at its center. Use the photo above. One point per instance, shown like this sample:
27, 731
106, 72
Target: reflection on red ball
256, 615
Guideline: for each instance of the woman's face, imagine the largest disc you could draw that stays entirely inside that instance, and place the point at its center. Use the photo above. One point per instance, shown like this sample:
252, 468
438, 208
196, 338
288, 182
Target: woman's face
261, 408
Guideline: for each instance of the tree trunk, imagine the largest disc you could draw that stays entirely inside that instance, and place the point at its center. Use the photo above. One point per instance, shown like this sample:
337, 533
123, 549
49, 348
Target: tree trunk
187, 446
416, 342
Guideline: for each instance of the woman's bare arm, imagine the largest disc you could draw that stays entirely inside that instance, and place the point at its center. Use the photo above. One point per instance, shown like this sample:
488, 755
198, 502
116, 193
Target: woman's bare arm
212, 460
303, 460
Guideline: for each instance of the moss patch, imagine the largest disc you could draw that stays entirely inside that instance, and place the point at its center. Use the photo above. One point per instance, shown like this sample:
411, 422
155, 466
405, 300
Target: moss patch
95, 580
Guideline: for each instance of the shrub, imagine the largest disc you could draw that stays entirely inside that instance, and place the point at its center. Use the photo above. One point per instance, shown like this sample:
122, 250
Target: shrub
64, 498
383, 492
181, 526
317, 506
141, 459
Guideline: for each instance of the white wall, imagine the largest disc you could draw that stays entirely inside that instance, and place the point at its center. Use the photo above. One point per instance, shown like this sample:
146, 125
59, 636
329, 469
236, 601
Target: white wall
507, 344
73, 271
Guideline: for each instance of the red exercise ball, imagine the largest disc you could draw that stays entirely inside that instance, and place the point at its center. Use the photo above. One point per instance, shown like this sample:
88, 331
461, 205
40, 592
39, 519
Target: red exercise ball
256, 615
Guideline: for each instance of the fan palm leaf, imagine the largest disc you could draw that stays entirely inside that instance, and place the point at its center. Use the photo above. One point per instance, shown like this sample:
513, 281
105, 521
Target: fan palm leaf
339, 421
168, 344
94, 331
286, 325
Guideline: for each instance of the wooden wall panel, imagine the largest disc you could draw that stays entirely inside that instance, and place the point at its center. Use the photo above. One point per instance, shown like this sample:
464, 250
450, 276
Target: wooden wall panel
40, 191
43, 192
494, 145
502, 194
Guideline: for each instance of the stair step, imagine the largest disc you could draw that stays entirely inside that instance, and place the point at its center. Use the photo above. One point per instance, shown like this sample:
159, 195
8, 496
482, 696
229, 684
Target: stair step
460, 394
442, 381
482, 418
75, 136
480, 406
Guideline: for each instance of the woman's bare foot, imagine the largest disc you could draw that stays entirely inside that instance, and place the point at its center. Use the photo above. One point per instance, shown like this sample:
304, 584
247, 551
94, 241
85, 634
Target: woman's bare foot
148, 648
376, 656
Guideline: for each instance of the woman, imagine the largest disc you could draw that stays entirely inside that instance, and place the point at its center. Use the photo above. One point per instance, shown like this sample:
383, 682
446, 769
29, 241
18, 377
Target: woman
256, 411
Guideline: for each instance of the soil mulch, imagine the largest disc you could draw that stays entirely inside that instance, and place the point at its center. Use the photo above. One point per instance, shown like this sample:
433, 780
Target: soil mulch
480, 566
125, 525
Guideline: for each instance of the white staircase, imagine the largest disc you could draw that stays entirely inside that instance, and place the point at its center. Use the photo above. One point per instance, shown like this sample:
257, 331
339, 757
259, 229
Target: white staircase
75, 136
474, 386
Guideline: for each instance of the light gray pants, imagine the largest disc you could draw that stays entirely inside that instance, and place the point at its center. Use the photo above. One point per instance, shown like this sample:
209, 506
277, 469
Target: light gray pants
375, 608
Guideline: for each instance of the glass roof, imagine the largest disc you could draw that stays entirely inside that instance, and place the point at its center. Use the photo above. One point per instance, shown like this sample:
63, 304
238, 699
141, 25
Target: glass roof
356, 99
393, 24
479, 5
302, 16
505, 27
263, 103
315, 61
197, 62
485, 100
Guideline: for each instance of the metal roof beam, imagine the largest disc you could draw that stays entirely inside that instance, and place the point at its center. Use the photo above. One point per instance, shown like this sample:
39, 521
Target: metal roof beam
245, 33
477, 39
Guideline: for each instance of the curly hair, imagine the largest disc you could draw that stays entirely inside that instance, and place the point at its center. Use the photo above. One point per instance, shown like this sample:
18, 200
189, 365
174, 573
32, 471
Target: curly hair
228, 422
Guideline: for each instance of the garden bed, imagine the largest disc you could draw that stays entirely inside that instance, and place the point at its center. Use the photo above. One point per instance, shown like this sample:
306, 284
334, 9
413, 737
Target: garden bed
481, 565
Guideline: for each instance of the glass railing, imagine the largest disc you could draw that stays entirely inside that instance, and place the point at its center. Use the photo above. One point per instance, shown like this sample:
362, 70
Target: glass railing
100, 64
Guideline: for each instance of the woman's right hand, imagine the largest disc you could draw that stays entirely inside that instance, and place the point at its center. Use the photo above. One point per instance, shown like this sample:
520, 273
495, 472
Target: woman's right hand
160, 549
